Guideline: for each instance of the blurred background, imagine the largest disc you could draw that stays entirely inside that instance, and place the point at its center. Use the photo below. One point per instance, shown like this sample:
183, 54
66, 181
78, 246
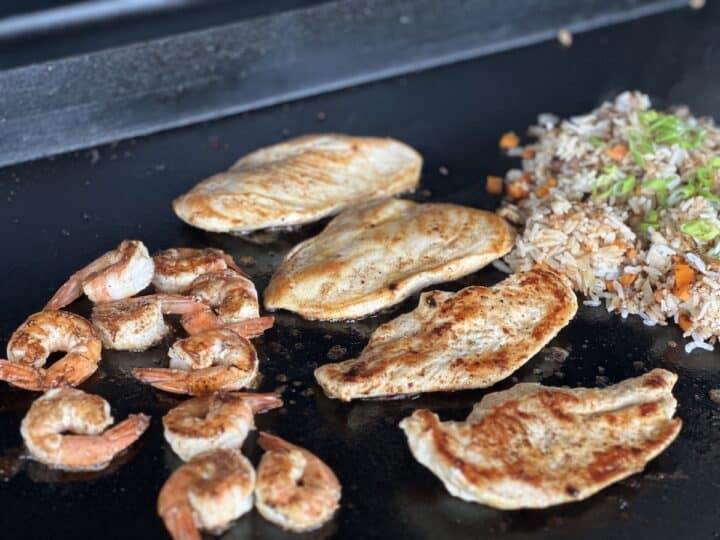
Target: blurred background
39, 30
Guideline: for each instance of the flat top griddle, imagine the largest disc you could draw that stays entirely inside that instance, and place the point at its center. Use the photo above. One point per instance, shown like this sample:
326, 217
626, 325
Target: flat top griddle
57, 214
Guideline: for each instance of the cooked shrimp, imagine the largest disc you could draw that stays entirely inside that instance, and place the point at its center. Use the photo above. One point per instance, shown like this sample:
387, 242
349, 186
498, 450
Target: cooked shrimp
67, 429
208, 492
176, 268
233, 296
208, 362
194, 323
135, 324
120, 273
295, 489
220, 420
44, 333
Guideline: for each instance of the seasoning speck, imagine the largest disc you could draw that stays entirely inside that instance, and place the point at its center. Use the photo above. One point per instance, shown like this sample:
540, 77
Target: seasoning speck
443, 170
715, 395
565, 37
336, 352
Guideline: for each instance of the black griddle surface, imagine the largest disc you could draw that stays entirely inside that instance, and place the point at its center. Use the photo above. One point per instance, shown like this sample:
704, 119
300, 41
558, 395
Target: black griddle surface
59, 214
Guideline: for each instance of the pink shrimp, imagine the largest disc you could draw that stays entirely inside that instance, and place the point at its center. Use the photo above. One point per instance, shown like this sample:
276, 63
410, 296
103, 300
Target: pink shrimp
120, 273
44, 333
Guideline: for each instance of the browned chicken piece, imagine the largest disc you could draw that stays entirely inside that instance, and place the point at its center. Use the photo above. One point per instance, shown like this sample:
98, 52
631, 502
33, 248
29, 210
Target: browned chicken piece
300, 181
376, 255
454, 341
535, 446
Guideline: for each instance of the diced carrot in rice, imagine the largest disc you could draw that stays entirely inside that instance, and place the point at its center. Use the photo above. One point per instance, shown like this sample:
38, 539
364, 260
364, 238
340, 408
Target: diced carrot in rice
631, 253
517, 190
509, 140
684, 322
684, 278
494, 185
617, 152
528, 153
542, 191
552, 182
627, 279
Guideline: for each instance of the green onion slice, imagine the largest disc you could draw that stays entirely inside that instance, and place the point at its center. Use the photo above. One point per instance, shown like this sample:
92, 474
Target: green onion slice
700, 229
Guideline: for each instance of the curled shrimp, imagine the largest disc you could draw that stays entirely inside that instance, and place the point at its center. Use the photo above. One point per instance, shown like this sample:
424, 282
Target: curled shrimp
233, 296
135, 324
295, 489
208, 492
44, 333
67, 429
220, 420
207, 362
176, 268
119, 273
235, 300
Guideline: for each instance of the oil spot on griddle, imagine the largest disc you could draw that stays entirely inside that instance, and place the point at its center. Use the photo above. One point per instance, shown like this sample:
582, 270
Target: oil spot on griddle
336, 352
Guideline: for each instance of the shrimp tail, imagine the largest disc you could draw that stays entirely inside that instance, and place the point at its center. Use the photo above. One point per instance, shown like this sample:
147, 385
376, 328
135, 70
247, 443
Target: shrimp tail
270, 442
170, 380
122, 435
71, 290
180, 524
252, 327
21, 375
261, 402
66, 294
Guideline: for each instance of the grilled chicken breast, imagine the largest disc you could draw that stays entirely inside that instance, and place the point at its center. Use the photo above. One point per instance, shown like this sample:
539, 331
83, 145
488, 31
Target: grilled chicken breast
300, 181
375, 255
453, 341
534, 446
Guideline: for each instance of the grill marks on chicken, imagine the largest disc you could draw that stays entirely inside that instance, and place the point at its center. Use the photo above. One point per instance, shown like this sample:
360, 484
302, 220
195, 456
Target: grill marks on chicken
300, 181
454, 341
534, 446
373, 256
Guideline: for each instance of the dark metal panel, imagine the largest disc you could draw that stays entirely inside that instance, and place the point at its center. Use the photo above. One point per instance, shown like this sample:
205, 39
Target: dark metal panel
91, 99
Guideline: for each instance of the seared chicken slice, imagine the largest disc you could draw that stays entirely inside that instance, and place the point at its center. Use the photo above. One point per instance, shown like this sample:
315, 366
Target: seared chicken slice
453, 341
535, 446
375, 255
300, 181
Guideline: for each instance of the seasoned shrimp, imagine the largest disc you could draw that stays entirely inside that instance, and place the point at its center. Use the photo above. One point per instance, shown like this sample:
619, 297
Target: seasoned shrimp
233, 296
211, 361
176, 268
208, 492
295, 489
220, 420
44, 333
120, 273
67, 429
135, 324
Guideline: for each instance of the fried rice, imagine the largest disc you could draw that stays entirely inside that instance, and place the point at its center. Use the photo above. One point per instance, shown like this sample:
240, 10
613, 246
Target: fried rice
624, 201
